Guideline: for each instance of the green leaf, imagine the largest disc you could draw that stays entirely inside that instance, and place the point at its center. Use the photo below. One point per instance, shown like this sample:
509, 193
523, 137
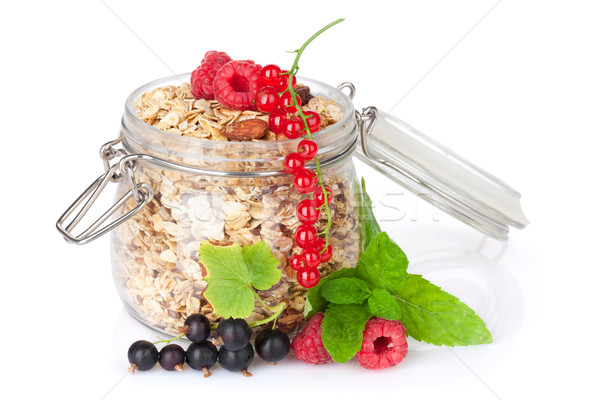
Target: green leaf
383, 305
263, 266
343, 326
232, 272
369, 227
314, 301
383, 265
435, 316
345, 291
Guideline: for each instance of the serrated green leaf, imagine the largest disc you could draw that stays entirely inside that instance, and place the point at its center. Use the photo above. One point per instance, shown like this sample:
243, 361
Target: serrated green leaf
383, 265
435, 316
383, 305
314, 301
263, 266
343, 326
345, 291
369, 227
232, 272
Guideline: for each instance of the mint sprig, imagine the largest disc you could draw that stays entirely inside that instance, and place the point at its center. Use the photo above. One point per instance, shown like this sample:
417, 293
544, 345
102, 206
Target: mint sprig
346, 291
437, 317
380, 286
343, 326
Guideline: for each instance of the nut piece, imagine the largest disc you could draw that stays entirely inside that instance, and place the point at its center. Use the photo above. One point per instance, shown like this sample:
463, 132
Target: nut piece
246, 130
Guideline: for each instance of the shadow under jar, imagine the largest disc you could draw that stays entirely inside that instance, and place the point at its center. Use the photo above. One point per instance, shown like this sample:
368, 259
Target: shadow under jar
228, 192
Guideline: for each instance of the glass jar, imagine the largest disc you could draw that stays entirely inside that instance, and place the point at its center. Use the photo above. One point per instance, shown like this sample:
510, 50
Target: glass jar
175, 192
230, 192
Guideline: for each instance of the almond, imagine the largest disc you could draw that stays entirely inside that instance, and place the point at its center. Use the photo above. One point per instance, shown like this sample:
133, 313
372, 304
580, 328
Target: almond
246, 130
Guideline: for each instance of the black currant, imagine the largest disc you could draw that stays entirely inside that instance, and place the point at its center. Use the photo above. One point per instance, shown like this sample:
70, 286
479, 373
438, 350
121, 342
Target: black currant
238, 360
196, 328
142, 355
201, 356
272, 345
172, 357
235, 333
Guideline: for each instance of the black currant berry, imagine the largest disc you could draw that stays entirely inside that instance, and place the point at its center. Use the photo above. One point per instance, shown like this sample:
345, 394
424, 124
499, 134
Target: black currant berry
238, 360
196, 328
142, 355
201, 356
172, 357
235, 333
272, 345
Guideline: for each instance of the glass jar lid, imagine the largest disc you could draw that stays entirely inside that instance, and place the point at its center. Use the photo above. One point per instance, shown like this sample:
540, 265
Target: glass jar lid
438, 175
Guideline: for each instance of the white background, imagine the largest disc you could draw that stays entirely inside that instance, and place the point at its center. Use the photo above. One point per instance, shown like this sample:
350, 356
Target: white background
519, 95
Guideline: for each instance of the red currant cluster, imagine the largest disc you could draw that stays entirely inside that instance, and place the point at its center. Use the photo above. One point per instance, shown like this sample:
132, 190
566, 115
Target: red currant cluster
276, 99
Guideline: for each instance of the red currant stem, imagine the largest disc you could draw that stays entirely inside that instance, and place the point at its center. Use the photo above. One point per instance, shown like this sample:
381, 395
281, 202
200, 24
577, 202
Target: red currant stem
167, 341
293, 70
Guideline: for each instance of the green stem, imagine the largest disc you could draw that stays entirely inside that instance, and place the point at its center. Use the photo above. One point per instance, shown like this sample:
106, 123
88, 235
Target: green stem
262, 302
293, 70
167, 341
278, 309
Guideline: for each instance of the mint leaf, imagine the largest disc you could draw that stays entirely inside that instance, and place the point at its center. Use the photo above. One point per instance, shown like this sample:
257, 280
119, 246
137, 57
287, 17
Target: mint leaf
314, 301
345, 291
343, 326
369, 227
232, 272
383, 265
435, 316
383, 305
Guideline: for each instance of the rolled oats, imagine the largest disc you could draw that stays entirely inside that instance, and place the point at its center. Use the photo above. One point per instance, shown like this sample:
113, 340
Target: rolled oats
155, 252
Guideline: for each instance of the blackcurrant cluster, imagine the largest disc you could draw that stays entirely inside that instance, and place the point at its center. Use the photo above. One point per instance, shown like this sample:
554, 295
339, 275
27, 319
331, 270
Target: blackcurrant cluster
235, 354
200, 355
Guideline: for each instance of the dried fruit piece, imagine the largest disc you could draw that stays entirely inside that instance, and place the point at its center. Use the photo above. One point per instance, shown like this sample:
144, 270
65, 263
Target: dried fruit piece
304, 93
246, 130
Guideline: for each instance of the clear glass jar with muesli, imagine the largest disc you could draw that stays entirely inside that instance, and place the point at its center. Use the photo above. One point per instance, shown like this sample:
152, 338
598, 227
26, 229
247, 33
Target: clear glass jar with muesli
206, 187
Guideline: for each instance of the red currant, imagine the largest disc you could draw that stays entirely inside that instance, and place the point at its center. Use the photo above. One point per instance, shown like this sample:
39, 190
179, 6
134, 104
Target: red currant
270, 75
267, 99
304, 181
307, 212
297, 263
285, 102
313, 121
293, 163
306, 236
283, 81
308, 277
320, 199
307, 149
292, 128
311, 257
320, 245
276, 120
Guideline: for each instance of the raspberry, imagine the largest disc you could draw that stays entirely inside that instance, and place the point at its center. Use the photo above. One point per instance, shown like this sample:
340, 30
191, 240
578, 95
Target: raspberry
203, 76
384, 344
236, 85
308, 346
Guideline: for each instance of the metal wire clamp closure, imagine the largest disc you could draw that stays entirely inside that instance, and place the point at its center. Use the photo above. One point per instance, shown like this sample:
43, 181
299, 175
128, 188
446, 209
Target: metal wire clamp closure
141, 193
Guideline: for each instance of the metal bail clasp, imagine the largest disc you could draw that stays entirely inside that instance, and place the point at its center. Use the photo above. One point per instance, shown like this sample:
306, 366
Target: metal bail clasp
141, 193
